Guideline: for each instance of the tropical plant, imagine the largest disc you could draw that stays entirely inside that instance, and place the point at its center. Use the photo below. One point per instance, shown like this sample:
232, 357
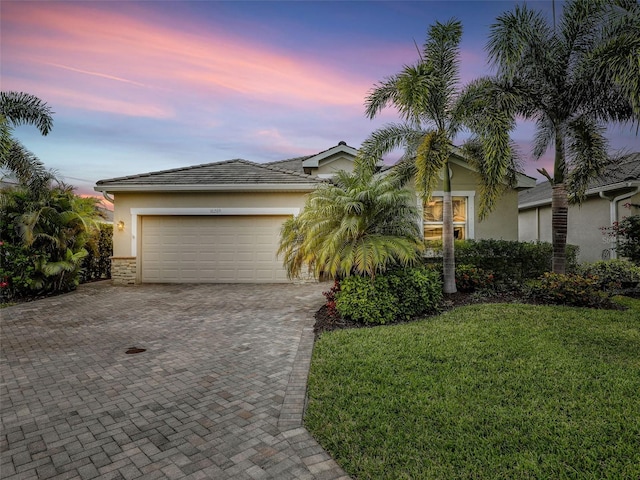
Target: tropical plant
17, 108
571, 80
434, 110
359, 224
44, 238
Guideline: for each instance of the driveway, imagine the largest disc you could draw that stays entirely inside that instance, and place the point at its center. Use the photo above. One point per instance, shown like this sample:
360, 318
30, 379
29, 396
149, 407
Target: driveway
218, 392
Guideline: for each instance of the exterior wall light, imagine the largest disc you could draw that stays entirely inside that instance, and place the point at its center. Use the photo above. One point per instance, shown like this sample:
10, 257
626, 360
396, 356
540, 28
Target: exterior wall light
121, 225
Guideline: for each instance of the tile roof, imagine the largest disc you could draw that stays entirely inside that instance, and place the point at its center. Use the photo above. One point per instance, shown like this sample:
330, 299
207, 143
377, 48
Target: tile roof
292, 164
230, 172
627, 169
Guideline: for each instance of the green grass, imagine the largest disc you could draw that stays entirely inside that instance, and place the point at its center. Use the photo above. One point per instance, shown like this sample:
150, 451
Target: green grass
483, 392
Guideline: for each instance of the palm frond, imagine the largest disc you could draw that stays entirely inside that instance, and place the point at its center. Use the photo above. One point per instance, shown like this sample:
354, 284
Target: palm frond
20, 108
588, 155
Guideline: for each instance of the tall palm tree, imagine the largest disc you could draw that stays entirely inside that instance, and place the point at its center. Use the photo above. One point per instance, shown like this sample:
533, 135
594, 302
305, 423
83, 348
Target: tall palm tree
571, 80
360, 224
434, 110
17, 108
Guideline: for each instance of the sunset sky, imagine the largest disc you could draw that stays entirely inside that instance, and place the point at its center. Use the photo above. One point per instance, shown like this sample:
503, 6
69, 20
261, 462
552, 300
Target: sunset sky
152, 85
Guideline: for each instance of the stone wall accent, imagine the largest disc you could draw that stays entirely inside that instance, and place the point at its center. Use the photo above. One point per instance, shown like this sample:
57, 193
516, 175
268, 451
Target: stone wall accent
123, 270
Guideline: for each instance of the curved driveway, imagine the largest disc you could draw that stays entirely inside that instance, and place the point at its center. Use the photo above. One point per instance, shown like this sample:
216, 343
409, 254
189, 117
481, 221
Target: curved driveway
218, 393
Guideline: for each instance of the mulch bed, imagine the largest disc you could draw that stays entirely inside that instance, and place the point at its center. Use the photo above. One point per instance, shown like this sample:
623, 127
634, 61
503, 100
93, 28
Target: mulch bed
326, 323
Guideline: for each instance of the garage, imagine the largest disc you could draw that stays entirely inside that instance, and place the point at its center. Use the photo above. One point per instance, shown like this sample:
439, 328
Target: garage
211, 249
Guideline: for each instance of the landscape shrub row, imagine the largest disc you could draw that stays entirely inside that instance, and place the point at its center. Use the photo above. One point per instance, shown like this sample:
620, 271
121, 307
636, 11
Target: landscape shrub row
510, 262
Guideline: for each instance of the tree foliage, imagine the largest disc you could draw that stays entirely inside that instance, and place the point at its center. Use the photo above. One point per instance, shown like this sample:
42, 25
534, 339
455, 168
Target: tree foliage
360, 224
18, 108
44, 236
571, 79
434, 109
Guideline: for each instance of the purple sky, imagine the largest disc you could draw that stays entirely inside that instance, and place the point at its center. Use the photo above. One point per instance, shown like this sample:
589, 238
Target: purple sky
144, 86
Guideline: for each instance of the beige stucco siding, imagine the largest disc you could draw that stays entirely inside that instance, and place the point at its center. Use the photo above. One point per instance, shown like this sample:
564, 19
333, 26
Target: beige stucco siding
502, 222
331, 166
124, 202
584, 225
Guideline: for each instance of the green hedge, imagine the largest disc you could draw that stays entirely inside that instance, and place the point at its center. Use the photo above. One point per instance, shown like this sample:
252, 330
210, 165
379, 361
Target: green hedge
510, 262
397, 295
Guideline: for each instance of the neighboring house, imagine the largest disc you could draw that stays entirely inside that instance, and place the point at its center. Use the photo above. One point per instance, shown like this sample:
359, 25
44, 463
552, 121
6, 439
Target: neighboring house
220, 222
604, 205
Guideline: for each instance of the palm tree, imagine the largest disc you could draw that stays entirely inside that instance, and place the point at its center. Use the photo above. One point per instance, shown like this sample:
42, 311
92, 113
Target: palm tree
434, 110
571, 80
360, 224
17, 108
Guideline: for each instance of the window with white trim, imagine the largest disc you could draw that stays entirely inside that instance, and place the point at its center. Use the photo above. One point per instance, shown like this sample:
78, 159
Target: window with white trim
432, 219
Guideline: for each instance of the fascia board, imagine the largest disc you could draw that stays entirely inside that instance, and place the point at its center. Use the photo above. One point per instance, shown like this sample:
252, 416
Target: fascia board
264, 187
591, 191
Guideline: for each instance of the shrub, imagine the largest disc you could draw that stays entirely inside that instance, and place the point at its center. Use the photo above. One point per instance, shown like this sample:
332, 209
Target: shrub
367, 300
396, 295
470, 278
419, 291
567, 289
628, 233
97, 264
614, 276
511, 262
330, 295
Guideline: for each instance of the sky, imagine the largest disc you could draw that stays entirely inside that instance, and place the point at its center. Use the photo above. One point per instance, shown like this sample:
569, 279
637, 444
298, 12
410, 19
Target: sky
153, 85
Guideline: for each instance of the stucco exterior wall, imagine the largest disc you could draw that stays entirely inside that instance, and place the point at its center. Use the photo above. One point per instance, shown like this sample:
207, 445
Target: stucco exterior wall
331, 166
124, 202
584, 225
502, 222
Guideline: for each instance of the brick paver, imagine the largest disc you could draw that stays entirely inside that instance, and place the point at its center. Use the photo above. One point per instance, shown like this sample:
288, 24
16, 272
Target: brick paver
218, 394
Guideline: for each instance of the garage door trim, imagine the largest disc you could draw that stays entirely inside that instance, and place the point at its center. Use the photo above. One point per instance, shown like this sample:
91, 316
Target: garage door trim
209, 211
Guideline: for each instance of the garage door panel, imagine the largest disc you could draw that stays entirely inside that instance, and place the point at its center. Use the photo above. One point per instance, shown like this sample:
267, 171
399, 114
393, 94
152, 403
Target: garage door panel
215, 249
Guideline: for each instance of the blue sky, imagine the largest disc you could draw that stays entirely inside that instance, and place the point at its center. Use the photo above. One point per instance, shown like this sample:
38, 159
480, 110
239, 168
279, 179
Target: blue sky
144, 86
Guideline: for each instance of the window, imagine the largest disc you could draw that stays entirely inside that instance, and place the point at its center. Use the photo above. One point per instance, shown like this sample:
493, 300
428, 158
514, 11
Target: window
433, 218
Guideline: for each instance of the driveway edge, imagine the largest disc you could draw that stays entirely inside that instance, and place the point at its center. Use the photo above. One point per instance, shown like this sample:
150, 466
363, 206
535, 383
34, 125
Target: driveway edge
316, 459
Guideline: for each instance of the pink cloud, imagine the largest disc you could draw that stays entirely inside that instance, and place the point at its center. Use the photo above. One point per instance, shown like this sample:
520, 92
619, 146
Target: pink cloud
100, 53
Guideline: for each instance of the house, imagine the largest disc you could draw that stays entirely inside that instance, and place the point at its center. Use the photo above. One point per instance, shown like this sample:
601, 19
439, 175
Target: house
220, 222
609, 199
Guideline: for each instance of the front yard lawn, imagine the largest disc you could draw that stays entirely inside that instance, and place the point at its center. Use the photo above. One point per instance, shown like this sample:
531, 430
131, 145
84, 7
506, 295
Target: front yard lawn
484, 392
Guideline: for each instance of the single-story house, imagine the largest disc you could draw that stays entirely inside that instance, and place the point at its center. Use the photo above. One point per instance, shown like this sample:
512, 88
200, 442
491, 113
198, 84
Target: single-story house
220, 222
609, 199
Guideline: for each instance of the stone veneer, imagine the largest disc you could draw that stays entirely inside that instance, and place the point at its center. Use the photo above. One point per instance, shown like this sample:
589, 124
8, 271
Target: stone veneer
123, 270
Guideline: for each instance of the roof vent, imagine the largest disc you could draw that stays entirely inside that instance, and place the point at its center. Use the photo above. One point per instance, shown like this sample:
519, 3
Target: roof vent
342, 142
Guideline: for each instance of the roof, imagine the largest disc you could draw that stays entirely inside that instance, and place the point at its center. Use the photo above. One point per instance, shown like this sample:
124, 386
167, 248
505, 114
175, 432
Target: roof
229, 175
292, 164
625, 173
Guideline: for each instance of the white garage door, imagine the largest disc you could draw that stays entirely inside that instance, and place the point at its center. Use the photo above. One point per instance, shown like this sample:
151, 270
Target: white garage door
211, 249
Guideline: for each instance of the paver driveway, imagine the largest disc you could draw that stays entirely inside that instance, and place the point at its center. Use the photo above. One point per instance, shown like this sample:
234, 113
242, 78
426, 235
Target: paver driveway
217, 394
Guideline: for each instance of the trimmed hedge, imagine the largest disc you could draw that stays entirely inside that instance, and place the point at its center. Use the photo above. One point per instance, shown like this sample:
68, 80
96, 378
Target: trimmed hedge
396, 295
511, 262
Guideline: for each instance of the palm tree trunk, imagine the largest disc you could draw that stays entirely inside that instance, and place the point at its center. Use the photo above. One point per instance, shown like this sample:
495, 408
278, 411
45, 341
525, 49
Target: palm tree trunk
448, 253
559, 207
559, 218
